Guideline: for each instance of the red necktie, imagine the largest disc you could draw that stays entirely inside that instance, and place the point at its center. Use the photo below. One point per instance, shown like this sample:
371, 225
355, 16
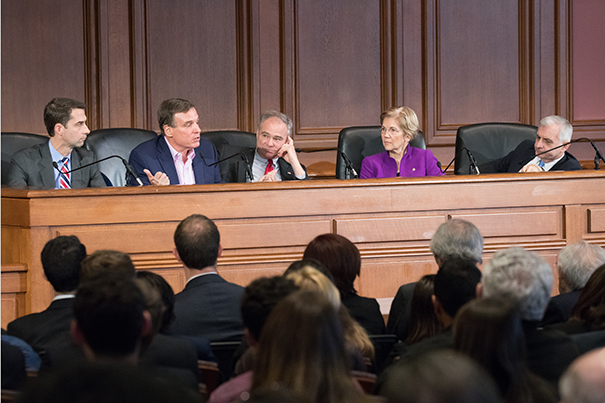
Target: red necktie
269, 167
64, 175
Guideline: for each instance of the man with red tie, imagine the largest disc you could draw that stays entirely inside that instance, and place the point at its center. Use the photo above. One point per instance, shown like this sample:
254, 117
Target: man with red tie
273, 159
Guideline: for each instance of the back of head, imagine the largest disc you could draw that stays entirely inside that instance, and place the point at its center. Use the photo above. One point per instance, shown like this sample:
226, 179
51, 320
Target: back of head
197, 241
423, 321
577, 262
315, 264
584, 379
58, 110
259, 299
565, 128
109, 314
520, 277
169, 108
61, 260
590, 307
157, 282
457, 239
107, 263
456, 284
340, 256
440, 377
490, 332
302, 348
309, 279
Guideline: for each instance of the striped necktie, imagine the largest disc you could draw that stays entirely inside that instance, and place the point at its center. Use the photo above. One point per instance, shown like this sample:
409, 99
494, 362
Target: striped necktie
64, 182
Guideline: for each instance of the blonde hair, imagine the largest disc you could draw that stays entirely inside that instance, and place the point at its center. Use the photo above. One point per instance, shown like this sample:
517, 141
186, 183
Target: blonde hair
406, 119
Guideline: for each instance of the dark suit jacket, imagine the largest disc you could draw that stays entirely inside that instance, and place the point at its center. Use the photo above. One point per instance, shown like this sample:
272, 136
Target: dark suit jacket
516, 159
155, 155
366, 311
33, 167
401, 309
234, 169
171, 352
209, 307
47, 328
559, 308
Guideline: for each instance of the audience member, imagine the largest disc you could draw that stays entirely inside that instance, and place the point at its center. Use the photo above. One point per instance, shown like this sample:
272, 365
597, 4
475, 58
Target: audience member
341, 257
107, 263
584, 379
575, 265
273, 159
440, 377
490, 332
259, 299
589, 312
13, 372
423, 320
454, 239
302, 348
47, 165
209, 305
61, 261
553, 131
525, 279
179, 156
32, 359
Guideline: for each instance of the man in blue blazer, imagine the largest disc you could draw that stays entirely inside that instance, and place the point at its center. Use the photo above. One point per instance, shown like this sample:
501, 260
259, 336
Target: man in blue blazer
179, 156
209, 306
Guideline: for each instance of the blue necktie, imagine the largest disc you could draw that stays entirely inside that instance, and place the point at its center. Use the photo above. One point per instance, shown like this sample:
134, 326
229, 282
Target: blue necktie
541, 164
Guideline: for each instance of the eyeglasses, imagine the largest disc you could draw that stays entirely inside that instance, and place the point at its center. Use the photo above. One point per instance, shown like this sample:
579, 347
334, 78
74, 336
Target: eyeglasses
391, 130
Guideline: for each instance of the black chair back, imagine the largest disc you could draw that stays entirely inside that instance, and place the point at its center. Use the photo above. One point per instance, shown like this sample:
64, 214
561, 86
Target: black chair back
13, 142
119, 141
383, 344
224, 351
488, 142
235, 138
358, 142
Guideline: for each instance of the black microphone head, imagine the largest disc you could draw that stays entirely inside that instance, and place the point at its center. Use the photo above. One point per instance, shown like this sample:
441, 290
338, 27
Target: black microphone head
439, 164
55, 165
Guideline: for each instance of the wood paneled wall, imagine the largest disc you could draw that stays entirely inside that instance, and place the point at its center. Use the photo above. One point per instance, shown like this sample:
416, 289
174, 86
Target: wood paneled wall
326, 63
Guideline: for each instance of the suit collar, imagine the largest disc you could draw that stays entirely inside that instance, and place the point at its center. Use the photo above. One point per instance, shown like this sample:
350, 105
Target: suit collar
45, 167
165, 160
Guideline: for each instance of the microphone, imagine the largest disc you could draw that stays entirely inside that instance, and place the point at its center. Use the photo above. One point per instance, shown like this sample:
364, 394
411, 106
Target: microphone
129, 168
349, 165
473, 164
598, 156
525, 161
243, 156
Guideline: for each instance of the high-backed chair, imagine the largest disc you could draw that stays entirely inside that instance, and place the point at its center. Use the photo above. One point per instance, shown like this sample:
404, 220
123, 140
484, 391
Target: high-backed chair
106, 142
236, 138
358, 142
488, 142
13, 142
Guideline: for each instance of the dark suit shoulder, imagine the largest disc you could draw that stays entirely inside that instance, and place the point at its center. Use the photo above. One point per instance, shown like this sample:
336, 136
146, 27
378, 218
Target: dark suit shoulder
366, 311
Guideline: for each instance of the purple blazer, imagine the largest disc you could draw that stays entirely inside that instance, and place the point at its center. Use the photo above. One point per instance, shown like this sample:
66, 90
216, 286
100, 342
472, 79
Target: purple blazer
416, 162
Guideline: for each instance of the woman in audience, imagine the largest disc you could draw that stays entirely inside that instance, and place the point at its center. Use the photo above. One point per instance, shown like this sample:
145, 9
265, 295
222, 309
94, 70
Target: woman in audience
399, 127
490, 332
302, 349
589, 313
423, 321
356, 339
341, 257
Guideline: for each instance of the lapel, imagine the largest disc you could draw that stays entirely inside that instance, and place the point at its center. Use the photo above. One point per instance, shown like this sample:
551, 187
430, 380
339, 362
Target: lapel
285, 169
198, 165
165, 160
47, 175
76, 177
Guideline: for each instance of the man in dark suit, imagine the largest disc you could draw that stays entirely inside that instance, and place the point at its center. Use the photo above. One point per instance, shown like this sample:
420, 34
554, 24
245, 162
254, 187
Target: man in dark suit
553, 131
61, 261
47, 165
274, 158
575, 265
209, 306
454, 239
179, 156
525, 279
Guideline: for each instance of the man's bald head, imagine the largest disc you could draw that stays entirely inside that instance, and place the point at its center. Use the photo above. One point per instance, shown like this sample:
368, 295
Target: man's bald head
584, 380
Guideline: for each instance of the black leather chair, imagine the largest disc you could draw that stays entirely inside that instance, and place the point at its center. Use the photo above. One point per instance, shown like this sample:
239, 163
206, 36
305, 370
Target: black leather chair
358, 142
231, 138
488, 142
13, 142
106, 142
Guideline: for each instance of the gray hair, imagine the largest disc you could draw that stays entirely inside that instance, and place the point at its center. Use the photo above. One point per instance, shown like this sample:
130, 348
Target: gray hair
520, 277
565, 128
583, 381
275, 114
457, 239
577, 262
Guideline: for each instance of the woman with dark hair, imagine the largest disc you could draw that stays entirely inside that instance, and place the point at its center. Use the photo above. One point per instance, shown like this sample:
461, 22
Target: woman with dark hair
342, 259
490, 332
589, 312
302, 349
423, 321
